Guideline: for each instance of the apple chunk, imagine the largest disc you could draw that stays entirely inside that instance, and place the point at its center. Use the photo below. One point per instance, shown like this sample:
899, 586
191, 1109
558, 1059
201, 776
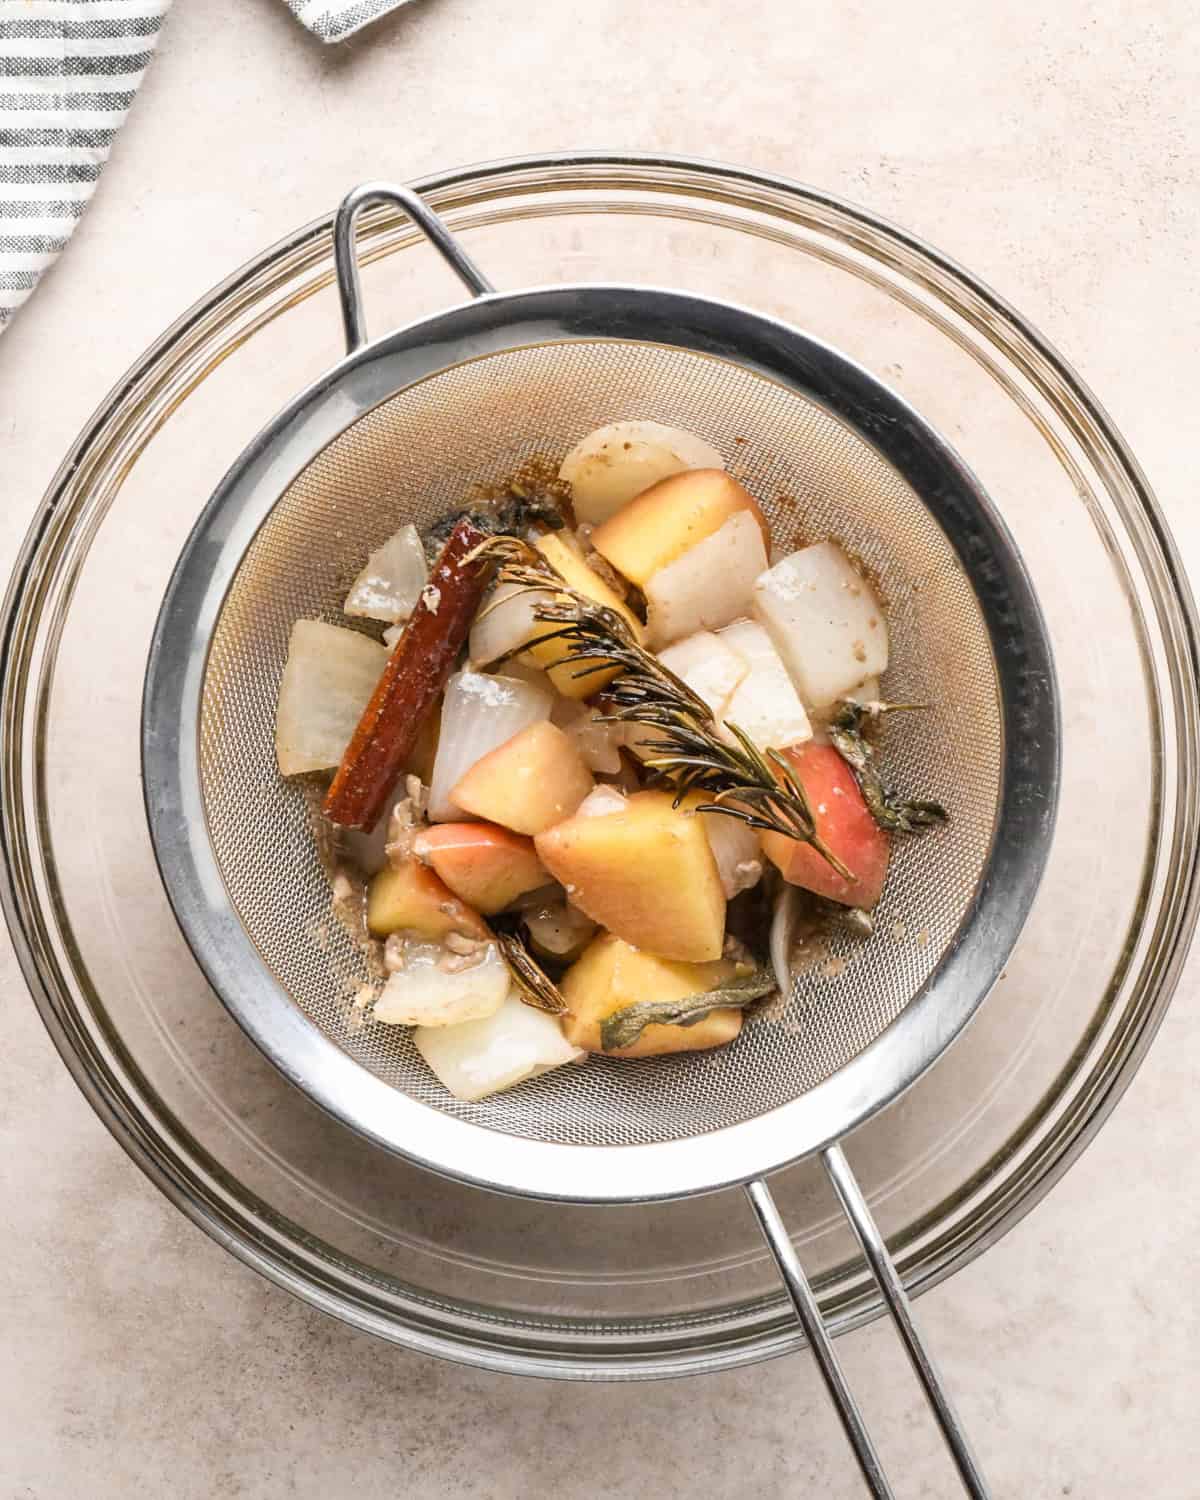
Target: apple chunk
706, 664
764, 703
530, 782
411, 898
646, 872
671, 516
843, 823
611, 975
488, 867
709, 667
509, 619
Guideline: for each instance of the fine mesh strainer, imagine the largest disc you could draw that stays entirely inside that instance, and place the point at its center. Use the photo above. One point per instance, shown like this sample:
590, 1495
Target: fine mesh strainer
398, 431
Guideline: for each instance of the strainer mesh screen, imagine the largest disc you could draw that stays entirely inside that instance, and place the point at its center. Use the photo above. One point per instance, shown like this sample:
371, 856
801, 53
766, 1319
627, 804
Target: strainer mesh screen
413, 459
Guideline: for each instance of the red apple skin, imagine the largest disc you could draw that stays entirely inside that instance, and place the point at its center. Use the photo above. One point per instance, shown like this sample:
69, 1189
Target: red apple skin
485, 865
843, 823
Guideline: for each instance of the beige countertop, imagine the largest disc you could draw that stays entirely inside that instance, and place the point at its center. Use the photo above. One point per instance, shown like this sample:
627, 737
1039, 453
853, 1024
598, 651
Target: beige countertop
1054, 154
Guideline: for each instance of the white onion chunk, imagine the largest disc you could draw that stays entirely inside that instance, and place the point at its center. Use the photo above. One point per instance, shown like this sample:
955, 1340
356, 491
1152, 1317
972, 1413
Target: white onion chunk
389, 586
825, 621
483, 1057
329, 676
608, 467
437, 988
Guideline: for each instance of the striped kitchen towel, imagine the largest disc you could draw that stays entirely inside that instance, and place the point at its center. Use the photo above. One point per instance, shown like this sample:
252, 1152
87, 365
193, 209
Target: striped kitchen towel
68, 72
332, 20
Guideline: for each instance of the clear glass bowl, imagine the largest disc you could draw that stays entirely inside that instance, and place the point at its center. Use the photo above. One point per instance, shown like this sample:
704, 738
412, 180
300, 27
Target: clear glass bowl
615, 1292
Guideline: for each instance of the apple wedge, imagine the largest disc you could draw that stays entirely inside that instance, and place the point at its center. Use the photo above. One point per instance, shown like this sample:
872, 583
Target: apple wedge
709, 666
534, 780
645, 871
844, 824
486, 866
709, 585
671, 516
411, 898
509, 619
825, 621
764, 703
611, 975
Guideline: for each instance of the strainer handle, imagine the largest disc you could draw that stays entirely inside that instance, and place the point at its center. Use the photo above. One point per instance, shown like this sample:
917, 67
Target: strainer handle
345, 257
883, 1268
779, 1241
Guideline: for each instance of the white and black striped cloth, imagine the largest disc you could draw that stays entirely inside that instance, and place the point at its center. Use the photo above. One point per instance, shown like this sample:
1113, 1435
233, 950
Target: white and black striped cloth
68, 72
332, 20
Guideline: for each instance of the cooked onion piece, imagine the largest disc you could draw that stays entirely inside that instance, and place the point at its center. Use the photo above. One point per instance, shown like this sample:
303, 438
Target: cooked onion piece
483, 1057
437, 987
329, 675
389, 586
613, 464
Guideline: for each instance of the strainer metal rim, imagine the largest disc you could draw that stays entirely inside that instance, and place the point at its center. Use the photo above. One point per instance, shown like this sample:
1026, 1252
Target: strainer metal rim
171, 707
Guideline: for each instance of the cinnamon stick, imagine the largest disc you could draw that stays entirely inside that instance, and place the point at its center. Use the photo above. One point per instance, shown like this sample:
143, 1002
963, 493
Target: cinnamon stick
414, 676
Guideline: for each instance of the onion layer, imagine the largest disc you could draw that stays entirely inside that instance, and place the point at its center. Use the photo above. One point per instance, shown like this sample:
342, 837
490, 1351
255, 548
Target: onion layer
480, 713
329, 675
389, 586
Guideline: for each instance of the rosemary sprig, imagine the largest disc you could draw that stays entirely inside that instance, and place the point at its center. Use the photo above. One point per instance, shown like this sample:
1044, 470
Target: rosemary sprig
536, 987
623, 1027
898, 815
741, 780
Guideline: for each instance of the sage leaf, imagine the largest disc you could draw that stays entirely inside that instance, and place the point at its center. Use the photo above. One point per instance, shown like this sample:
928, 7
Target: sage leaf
896, 814
623, 1027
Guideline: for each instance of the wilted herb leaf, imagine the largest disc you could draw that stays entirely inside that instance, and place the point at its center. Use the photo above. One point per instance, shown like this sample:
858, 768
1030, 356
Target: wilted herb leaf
535, 986
894, 813
623, 1027
533, 495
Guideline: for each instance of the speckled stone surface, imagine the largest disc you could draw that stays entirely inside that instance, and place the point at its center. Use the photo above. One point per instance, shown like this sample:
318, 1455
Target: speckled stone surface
1054, 153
